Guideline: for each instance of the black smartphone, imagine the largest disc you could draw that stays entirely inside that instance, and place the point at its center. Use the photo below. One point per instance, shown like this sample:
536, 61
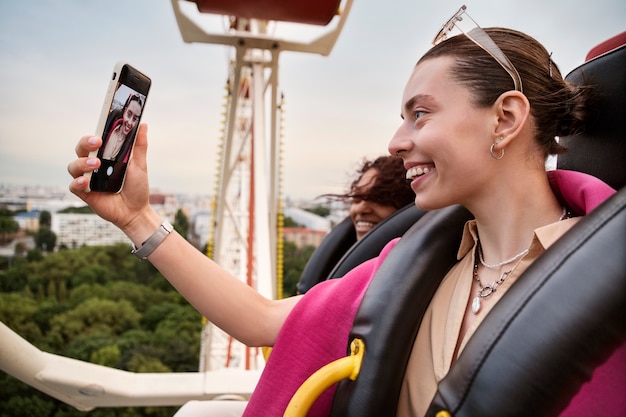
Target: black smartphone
123, 107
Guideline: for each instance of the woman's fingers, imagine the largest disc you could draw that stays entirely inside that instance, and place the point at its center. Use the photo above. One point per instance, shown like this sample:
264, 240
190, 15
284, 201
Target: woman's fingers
87, 144
79, 185
117, 208
141, 147
80, 166
83, 164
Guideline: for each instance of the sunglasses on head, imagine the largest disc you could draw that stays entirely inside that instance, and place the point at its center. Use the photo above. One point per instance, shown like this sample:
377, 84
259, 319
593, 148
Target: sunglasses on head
477, 35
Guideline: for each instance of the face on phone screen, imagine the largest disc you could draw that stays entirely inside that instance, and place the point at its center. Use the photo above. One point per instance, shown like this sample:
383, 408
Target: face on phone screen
120, 130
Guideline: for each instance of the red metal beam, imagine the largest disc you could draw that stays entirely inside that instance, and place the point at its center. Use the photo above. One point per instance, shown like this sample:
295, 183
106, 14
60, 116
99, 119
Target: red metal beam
317, 12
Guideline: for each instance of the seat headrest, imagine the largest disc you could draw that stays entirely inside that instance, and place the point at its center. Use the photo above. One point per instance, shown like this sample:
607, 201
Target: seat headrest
606, 46
600, 150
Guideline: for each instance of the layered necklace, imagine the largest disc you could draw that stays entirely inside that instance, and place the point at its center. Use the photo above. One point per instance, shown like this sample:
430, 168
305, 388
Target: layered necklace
485, 291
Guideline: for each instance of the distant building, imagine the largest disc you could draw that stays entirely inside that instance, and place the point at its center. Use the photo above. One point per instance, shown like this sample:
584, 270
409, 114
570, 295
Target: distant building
10, 250
37, 198
28, 220
303, 236
201, 227
75, 230
308, 219
166, 205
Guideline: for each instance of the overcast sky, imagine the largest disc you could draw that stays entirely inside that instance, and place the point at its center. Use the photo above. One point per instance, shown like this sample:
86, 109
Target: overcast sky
56, 57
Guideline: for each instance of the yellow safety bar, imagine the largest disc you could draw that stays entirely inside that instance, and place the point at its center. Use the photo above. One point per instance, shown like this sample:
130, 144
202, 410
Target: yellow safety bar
325, 377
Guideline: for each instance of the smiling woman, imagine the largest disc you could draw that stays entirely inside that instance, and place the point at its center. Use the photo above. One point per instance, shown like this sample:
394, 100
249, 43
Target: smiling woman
379, 190
379, 193
473, 113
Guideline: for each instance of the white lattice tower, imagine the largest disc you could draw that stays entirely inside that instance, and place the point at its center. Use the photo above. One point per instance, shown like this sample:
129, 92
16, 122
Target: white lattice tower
246, 237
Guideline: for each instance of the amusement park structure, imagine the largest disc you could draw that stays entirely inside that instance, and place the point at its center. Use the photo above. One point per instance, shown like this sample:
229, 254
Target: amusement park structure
247, 212
246, 238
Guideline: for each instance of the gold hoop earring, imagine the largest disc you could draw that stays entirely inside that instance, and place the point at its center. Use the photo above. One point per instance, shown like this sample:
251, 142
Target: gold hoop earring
493, 154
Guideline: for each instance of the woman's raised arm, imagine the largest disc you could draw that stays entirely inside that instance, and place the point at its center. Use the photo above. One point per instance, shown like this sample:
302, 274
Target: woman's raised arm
223, 299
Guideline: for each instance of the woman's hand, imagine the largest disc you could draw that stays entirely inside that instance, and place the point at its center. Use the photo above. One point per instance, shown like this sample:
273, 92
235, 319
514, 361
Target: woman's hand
132, 203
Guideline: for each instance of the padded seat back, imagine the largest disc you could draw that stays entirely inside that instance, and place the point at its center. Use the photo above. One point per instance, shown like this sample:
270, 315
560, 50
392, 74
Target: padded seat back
600, 150
339, 252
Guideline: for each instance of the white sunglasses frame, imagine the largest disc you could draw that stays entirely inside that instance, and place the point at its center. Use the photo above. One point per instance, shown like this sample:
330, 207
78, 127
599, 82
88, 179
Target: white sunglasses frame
481, 39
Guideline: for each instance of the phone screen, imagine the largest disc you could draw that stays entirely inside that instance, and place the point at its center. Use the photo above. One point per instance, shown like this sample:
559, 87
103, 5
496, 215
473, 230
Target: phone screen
121, 116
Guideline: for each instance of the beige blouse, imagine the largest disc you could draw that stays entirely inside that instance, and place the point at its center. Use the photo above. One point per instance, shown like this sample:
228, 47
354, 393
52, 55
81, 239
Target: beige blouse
434, 350
114, 144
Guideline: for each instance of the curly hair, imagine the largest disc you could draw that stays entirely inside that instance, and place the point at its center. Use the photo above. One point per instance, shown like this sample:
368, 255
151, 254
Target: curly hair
390, 186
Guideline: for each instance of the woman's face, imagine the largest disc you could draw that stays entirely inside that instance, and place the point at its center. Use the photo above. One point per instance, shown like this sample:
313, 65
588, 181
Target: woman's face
131, 117
366, 214
444, 139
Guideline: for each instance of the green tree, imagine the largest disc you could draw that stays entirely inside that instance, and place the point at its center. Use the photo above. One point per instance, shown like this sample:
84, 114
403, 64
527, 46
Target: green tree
156, 313
181, 223
289, 222
30, 404
20, 249
79, 210
96, 315
14, 279
17, 311
34, 255
8, 227
109, 308
294, 261
141, 297
45, 239
106, 356
45, 219
320, 210
142, 363
91, 274
179, 335
51, 291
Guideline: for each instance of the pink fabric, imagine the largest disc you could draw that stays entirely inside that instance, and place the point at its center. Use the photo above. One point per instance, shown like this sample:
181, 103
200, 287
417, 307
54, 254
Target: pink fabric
605, 394
316, 332
579, 192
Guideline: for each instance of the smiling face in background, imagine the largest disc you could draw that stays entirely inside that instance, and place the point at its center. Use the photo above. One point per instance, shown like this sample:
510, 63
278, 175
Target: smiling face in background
366, 214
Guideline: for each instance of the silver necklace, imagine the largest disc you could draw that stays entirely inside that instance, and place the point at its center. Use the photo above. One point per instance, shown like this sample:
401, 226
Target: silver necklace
499, 264
486, 290
564, 215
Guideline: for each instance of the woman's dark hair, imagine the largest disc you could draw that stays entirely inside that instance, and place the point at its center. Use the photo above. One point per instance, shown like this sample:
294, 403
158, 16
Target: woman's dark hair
558, 107
131, 98
390, 186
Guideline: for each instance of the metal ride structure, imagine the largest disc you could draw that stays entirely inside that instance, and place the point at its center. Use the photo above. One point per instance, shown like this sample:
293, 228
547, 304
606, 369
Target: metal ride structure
247, 214
247, 211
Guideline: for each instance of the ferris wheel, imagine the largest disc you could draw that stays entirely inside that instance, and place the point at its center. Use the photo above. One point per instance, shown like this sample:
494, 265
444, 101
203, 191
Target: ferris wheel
246, 234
